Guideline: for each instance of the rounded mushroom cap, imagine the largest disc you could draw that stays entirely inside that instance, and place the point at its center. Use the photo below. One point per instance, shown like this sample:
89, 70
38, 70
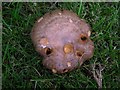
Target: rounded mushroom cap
63, 39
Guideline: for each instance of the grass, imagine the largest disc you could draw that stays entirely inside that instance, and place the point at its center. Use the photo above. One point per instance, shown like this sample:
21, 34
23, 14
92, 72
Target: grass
21, 64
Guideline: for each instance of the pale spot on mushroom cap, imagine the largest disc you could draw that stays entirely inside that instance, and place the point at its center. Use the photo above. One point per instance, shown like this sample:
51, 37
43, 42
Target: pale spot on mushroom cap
68, 48
43, 41
70, 20
43, 46
89, 33
60, 13
54, 71
40, 19
68, 64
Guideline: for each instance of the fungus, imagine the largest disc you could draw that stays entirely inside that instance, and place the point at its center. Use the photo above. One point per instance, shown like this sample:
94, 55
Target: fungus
63, 39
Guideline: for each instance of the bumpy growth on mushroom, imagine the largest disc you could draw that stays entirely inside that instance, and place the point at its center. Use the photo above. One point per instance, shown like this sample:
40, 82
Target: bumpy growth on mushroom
63, 39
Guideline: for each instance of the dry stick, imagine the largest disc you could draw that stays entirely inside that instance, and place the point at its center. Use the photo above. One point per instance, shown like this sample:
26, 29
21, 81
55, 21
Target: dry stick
97, 74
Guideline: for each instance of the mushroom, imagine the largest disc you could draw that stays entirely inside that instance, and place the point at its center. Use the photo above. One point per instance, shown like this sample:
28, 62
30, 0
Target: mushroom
63, 39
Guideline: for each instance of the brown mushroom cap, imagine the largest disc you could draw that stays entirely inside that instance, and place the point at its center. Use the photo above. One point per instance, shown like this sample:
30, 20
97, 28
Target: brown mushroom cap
63, 39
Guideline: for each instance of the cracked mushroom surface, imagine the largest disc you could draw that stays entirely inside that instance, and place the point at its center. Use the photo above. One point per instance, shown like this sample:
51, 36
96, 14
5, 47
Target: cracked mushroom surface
63, 39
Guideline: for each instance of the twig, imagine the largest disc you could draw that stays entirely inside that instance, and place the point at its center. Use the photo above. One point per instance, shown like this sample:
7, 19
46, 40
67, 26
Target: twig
97, 74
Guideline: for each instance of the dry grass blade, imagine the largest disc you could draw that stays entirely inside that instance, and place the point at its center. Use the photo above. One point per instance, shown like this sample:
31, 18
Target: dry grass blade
97, 74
